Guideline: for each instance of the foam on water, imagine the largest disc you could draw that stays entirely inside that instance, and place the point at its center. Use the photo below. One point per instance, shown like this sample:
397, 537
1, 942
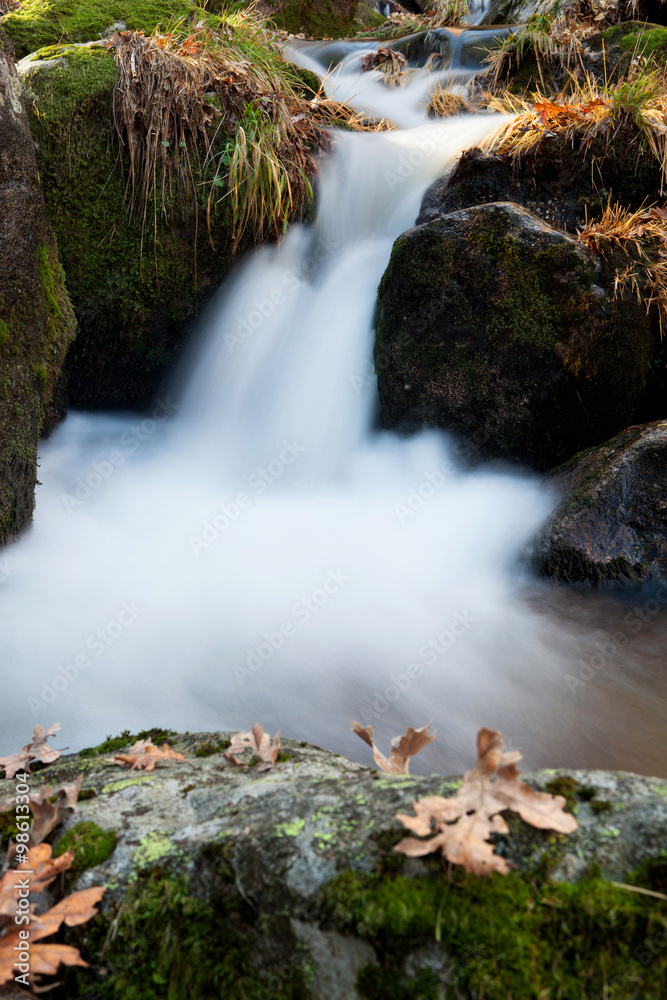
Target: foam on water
254, 550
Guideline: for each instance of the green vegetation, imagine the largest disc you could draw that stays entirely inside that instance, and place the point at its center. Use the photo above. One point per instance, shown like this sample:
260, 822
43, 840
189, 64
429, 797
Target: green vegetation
125, 739
512, 936
37, 23
207, 749
167, 943
90, 844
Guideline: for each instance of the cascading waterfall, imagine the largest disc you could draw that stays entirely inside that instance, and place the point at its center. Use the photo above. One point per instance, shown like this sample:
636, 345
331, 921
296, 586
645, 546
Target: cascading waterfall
257, 551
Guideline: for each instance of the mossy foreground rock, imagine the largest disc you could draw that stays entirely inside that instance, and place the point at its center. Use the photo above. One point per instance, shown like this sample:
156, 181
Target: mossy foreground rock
222, 882
612, 523
36, 318
492, 324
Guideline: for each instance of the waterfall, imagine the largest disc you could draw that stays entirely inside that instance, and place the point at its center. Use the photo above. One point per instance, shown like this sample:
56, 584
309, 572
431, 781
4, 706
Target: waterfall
256, 550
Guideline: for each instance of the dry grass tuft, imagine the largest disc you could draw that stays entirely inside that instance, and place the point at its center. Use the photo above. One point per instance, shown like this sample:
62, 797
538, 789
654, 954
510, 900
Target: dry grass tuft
642, 235
557, 41
589, 113
212, 117
447, 103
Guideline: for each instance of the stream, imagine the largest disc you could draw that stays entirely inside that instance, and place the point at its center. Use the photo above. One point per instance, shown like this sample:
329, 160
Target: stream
256, 549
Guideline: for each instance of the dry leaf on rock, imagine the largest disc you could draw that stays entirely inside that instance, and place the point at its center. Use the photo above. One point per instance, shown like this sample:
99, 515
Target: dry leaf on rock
48, 815
37, 748
263, 748
464, 822
402, 747
144, 754
77, 908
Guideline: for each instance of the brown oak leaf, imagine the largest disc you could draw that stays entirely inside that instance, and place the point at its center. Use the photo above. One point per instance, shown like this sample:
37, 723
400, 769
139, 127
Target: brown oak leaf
37, 748
402, 747
145, 755
462, 824
264, 750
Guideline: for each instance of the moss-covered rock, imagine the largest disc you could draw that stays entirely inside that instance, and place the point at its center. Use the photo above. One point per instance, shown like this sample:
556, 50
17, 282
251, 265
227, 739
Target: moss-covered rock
612, 522
36, 319
490, 321
314, 18
133, 289
284, 886
38, 23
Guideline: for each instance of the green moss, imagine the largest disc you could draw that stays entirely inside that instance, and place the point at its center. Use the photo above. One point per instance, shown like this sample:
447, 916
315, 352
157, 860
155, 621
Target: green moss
8, 827
166, 943
647, 42
4, 332
157, 735
48, 22
132, 291
90, 844
207, 749
110, 745
292, 829
505, 936
316, 18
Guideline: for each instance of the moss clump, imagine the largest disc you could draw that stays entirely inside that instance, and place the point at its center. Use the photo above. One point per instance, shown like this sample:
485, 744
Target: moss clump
504, 936
110, 745
167, 943
38, 23
207, 749
90, 844
156, 734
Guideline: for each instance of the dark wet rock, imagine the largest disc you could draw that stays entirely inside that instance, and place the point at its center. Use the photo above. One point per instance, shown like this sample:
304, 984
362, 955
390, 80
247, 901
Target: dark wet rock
494, 325
284, 884
315, 18
36, 318
612, 522
133, 295
562, 181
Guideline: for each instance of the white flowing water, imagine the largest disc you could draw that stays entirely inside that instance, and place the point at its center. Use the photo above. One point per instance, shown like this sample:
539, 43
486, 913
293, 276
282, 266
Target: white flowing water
254, 550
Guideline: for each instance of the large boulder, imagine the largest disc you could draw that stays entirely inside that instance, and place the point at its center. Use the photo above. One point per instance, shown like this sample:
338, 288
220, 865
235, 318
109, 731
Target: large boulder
492, 324
133, 289
222, 881
318, 18
36, 318
611, 524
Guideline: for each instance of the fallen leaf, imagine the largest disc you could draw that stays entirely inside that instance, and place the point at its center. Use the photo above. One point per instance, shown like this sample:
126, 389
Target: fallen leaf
145, 755
462, 824
75, 909
402, 747
37, 748
263, 748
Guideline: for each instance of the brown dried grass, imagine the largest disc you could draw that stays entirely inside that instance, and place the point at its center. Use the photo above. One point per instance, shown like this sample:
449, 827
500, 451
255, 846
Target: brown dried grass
642, 235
